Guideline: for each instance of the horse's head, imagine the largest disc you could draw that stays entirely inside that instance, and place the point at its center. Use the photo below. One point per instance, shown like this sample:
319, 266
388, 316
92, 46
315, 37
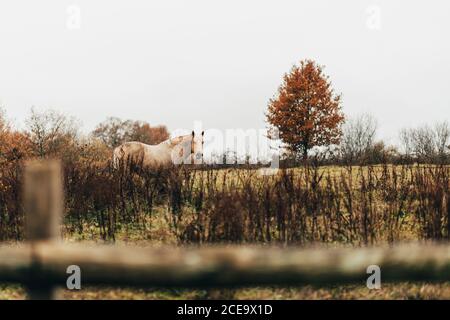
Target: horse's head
188, 149
197, 148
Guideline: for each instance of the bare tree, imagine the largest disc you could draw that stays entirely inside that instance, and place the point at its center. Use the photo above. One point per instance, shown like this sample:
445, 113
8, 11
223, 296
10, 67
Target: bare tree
358, 137
425, 143
4, 123
50, 131
115, 131
442, 136
406, 142
112, 131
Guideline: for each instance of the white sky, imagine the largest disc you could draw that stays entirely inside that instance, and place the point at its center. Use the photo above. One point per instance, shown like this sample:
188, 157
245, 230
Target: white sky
173, 62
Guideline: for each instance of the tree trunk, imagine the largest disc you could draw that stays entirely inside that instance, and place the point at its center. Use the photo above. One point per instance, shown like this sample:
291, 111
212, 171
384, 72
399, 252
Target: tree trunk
305, 153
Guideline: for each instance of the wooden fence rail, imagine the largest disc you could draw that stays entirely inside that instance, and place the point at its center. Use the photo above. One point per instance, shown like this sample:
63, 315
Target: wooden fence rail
219, 266
42, 261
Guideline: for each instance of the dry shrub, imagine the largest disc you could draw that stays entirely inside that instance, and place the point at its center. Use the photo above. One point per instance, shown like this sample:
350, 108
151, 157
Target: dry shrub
359, 206
355, 205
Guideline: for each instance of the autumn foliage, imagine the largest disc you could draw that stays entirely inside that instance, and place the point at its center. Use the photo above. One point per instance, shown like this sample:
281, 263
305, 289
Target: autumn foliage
115, 131
306, 111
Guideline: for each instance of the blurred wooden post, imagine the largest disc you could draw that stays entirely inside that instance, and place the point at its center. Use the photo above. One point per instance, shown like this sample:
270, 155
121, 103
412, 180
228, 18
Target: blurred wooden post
43, 204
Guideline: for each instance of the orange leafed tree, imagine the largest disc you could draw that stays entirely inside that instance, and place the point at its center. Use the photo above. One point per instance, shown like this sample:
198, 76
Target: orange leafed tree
306, 110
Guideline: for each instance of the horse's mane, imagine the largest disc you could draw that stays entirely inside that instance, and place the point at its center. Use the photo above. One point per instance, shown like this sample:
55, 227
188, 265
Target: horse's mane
176, 140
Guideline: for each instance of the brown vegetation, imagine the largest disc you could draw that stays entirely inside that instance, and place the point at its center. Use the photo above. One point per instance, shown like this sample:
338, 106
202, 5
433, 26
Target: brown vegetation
350, 204
355, 205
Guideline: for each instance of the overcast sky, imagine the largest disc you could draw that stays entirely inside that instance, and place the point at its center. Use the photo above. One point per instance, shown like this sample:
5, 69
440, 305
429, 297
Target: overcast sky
173, 62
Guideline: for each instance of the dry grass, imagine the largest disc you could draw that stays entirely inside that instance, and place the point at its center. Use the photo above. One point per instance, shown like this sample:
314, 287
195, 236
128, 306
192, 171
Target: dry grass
352, 205
349, 206
396, 291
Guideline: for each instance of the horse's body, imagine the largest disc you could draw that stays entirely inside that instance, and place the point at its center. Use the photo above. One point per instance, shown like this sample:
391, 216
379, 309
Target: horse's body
184, 149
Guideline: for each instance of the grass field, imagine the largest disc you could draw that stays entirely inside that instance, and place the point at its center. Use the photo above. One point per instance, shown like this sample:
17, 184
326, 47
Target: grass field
337, 206
401, 290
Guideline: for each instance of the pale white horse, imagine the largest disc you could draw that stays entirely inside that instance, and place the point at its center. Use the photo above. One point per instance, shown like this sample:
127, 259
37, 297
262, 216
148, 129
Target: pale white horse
186, 149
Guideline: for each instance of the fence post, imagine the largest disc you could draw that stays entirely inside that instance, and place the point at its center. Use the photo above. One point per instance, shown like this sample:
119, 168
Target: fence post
43, 204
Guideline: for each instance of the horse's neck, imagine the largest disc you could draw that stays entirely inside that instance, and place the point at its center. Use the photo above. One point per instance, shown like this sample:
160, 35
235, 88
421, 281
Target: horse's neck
163, 147
172, 143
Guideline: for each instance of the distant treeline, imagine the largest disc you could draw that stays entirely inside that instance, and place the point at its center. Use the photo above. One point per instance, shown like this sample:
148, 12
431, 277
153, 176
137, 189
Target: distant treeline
359, 146
52, 134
